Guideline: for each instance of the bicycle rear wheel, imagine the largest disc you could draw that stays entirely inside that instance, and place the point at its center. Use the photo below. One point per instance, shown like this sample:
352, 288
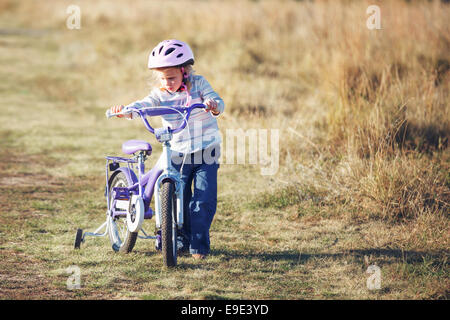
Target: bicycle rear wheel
122, 240
168, 224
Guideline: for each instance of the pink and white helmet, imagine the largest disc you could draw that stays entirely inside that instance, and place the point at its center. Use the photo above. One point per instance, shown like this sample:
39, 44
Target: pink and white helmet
170, 53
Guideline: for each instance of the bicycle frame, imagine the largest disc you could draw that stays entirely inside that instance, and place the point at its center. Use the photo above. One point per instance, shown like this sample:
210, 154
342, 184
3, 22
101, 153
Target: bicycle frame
144, 184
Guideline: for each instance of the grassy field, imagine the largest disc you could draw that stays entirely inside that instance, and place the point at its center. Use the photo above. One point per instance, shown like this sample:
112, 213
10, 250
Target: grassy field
363, 119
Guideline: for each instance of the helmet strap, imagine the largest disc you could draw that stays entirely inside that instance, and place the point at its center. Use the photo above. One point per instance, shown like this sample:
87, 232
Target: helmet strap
188, 96
185, 76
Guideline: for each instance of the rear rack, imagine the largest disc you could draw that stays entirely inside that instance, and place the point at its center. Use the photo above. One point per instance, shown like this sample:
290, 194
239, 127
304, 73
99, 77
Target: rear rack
120, 159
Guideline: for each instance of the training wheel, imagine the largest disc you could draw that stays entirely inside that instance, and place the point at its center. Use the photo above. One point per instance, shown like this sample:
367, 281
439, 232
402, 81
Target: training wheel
78, 238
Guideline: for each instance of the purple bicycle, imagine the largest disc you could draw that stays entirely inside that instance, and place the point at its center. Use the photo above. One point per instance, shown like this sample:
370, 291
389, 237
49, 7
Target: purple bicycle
128, 195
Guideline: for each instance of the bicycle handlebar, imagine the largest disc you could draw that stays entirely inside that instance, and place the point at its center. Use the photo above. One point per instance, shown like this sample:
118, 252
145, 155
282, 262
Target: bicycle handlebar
158, 111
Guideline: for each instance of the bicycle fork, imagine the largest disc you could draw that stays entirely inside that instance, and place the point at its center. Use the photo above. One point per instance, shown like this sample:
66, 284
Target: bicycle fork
171, 174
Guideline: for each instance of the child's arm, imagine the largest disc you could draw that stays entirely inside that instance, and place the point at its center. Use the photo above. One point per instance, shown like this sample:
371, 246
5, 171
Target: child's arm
209, 94
149, 101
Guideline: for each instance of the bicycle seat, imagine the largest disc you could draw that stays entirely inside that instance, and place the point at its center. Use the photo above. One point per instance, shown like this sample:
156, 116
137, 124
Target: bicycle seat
132, 146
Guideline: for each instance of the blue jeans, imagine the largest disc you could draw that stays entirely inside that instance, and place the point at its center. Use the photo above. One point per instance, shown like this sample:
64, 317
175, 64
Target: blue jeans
200, 172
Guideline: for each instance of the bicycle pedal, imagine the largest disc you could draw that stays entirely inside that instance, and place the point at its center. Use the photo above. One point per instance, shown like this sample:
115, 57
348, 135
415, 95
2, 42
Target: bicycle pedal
121, 193
158, 243
182, 245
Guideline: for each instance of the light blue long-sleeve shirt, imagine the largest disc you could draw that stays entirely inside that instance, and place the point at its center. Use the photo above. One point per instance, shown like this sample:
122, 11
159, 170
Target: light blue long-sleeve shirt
202, 130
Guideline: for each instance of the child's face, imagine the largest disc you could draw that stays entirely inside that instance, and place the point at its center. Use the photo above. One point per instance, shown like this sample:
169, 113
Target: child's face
170, 78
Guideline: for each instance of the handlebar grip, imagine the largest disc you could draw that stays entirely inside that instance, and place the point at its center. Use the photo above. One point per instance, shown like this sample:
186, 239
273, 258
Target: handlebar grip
109, 114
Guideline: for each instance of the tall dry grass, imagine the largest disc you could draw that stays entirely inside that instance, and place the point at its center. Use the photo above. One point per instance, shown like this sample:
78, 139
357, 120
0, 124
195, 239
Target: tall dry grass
391, 120
363, 114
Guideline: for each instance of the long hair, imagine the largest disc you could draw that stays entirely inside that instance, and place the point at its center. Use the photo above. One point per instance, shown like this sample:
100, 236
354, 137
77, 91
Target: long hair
189, 71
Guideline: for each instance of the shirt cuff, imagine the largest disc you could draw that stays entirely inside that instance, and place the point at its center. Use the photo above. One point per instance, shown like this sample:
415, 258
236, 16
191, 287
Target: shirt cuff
220, 109
215, 115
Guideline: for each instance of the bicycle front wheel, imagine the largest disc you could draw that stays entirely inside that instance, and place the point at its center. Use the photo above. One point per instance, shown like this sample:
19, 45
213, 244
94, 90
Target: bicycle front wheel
168, 223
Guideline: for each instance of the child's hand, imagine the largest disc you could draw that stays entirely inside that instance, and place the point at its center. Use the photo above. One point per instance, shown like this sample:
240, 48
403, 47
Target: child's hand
212, 105
117, 109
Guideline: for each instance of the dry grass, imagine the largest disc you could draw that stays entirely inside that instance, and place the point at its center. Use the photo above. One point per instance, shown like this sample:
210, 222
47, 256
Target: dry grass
364, 160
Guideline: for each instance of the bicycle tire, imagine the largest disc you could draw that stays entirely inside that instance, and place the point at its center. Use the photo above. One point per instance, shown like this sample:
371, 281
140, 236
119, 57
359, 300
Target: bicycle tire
121, 240
168, 226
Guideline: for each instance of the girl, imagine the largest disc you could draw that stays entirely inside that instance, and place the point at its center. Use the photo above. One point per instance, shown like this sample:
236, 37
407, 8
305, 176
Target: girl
199, 145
